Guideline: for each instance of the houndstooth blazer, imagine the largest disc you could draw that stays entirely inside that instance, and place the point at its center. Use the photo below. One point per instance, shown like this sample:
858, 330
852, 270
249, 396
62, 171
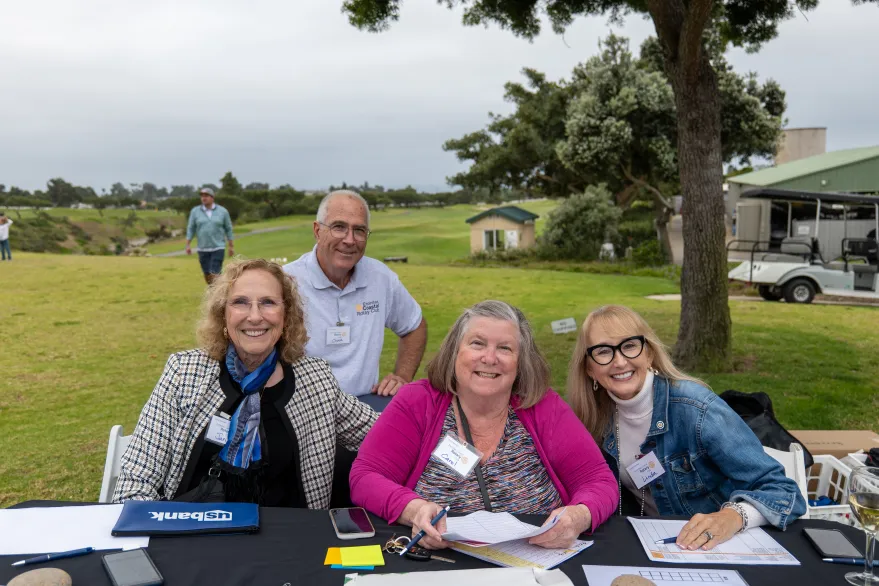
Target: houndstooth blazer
188, 394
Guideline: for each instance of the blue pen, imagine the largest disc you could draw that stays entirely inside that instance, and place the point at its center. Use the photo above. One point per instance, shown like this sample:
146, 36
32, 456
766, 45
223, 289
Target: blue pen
666, 541
847, 561
55, 556
420, 534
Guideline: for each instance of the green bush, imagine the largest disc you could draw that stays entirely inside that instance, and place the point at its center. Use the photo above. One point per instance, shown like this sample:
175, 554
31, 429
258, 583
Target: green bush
41, 233
577, 228
649, 254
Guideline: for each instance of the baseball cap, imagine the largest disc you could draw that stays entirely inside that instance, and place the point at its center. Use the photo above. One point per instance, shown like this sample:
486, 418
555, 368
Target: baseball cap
206, 191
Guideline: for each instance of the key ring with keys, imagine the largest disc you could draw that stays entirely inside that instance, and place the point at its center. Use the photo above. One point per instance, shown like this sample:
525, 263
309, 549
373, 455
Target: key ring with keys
395, 545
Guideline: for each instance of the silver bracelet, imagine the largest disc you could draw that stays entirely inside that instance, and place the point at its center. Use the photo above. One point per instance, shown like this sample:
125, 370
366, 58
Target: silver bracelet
742, 513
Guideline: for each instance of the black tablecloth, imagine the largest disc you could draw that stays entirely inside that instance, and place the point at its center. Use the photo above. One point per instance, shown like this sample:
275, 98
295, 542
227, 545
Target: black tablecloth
291, 545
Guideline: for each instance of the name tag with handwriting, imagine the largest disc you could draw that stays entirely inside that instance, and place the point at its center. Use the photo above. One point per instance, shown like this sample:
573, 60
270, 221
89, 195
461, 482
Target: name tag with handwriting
460, 457
645, 470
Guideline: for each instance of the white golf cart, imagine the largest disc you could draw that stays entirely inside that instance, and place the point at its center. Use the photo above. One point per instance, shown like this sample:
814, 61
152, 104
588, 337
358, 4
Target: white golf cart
789, 258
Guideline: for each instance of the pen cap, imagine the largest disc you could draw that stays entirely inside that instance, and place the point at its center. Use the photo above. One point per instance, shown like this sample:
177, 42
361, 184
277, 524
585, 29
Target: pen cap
42, 577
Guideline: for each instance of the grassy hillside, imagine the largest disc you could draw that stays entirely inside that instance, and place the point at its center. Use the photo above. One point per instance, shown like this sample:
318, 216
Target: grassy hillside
426, 236
84, 340
85, 231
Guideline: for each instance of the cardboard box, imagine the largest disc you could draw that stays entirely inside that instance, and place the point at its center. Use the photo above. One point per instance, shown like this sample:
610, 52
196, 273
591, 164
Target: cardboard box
836, 443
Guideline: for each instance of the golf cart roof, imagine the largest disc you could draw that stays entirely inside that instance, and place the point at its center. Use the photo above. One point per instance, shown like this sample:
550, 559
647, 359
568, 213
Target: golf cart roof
811, 196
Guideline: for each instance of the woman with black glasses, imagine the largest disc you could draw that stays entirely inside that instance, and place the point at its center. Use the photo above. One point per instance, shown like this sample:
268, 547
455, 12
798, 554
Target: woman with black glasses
675, 447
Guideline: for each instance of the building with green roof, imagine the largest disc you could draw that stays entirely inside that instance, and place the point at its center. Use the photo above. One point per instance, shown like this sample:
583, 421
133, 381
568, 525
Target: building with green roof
502, 228
847, 171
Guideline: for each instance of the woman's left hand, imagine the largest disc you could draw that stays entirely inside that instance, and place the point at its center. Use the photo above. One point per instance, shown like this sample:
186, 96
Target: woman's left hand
706, 531
575, 521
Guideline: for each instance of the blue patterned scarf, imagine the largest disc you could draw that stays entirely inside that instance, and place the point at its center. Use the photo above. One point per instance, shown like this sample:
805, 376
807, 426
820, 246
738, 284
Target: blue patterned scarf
243, 446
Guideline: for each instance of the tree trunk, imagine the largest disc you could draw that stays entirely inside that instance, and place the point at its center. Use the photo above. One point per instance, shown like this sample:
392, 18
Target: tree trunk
662, 217
704, 338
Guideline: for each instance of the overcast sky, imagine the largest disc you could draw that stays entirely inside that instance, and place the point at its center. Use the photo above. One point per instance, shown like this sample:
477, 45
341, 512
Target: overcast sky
286, 91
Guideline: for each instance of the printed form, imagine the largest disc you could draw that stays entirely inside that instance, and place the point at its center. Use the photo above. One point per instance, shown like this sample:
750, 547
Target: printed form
754, 547
605, 575
484, 528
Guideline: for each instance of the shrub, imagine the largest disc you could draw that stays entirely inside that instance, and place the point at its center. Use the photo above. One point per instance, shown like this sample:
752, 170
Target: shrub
577, 228
648, 254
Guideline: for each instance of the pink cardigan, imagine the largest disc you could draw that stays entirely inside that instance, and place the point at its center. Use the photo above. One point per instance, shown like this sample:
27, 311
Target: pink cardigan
395, 452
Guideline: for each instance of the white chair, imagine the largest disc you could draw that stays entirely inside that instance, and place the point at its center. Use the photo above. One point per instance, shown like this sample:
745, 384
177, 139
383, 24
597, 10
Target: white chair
115, 448
794, 468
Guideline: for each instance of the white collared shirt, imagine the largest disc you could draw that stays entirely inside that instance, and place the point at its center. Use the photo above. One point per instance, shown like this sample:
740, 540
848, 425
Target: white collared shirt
374, 299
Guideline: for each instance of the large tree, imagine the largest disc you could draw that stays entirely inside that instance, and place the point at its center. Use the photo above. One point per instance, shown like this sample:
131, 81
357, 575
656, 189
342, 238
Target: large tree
683, 27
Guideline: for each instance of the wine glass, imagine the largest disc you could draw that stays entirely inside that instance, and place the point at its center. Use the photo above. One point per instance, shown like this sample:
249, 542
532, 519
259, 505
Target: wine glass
863, 487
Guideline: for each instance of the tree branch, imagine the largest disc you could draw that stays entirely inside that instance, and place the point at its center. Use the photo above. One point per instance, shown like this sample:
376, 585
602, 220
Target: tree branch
641, 183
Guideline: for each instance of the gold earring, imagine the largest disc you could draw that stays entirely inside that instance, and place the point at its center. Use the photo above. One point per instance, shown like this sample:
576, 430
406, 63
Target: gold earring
225, 333
594, 386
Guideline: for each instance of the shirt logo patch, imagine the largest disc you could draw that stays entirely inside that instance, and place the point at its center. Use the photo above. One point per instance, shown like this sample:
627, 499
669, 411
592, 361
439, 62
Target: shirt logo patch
367, 307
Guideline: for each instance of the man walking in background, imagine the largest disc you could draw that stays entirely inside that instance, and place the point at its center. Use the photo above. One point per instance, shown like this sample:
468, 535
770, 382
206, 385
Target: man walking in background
211, 225
4, 236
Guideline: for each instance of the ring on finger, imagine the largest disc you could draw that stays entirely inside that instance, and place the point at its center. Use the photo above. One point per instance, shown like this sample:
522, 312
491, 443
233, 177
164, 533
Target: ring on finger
708, 535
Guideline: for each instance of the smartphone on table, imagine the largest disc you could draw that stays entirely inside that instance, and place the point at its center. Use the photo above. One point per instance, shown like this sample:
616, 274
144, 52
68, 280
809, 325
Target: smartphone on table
832, 543
132, 568
351, 523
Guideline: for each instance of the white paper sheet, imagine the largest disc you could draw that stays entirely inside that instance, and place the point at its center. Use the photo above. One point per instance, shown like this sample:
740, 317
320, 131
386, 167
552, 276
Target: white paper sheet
482, 577
604, 575
521, 554
753, 547
484, 528
54, 529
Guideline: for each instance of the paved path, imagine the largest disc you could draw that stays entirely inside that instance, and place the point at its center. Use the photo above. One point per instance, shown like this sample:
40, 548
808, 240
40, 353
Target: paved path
817, 301
251, 233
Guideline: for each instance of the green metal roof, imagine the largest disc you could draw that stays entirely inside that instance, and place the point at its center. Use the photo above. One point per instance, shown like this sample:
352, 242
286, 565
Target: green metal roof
510, 212
807, 166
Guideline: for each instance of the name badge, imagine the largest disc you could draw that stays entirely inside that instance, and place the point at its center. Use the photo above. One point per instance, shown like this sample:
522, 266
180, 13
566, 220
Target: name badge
460, 457
645, 470
338, 335
218, 430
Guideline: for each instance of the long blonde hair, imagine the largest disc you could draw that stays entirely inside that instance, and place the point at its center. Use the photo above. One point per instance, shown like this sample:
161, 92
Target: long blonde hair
594, 408
210, 334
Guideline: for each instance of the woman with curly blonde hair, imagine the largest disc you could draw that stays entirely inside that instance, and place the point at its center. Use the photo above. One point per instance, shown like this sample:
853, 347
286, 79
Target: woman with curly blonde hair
247, 416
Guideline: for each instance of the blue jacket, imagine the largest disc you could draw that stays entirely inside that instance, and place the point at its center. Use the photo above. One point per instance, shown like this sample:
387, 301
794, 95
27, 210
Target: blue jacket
710, 457
212, 232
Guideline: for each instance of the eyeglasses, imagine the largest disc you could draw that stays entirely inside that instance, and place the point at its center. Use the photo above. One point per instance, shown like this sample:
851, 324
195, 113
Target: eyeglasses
397, 544
603, 354
340, 230
265, 306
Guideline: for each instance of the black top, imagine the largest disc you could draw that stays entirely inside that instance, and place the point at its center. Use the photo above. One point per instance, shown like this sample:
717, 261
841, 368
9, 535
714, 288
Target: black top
275, 481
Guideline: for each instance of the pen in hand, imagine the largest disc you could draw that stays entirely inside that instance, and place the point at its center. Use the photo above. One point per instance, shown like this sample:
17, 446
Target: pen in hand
54, 556
666, 541
421, 533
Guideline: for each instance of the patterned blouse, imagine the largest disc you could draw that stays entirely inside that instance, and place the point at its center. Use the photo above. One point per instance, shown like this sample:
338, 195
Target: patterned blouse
516, 479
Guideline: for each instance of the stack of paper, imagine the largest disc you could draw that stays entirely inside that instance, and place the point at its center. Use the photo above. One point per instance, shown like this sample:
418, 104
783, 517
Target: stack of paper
753, 547
364, 557
51, 529
500, 538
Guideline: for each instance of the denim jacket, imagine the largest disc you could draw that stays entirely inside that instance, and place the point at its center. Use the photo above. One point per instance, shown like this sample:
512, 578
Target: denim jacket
710, 457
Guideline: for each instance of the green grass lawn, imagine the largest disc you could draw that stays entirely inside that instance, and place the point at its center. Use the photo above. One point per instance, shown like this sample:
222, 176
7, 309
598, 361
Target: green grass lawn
426, 236
84, 339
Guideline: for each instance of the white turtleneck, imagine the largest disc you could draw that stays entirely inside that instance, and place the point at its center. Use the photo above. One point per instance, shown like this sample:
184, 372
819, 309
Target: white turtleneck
634, 418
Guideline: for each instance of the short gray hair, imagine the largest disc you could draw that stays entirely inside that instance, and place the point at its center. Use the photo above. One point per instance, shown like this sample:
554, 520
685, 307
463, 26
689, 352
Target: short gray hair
325, 203
532, 370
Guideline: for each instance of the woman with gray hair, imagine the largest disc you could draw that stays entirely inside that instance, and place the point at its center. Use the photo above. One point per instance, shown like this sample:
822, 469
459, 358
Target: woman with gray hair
483, 431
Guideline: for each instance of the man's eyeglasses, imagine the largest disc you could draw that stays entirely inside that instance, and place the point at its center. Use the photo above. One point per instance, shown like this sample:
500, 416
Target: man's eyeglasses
340, 230
265, 306
630, 348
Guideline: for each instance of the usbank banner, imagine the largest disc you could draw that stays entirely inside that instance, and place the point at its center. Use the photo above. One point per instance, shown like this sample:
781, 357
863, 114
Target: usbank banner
173, 518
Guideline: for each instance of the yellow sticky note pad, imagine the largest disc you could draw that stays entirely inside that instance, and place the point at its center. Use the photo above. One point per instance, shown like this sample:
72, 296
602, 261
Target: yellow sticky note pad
333, 556
366, 555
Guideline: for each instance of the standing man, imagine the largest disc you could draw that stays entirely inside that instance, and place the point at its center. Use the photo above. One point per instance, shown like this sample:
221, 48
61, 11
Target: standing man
349, 301
211, 224
4, 236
